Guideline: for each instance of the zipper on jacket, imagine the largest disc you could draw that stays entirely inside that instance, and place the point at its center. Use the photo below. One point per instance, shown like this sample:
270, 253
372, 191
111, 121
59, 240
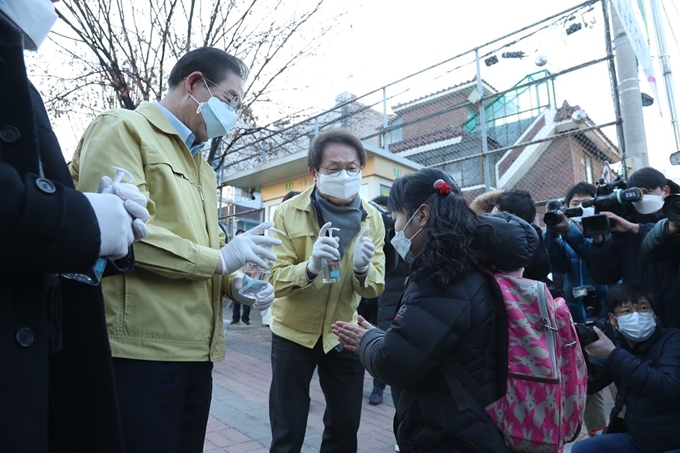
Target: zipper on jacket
198, 173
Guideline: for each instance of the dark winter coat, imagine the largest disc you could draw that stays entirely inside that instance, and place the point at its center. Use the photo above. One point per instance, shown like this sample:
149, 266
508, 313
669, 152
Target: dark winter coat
651, 374
432, 324
569, 255
56, 383
395, 284
619, 257
539, 267
659, 245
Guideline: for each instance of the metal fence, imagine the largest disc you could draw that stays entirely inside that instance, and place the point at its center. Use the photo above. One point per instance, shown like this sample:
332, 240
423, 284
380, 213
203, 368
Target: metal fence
533, 110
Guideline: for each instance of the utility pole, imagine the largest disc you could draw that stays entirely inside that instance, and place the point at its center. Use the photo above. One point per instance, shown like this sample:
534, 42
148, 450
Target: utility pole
630, 96
666, 68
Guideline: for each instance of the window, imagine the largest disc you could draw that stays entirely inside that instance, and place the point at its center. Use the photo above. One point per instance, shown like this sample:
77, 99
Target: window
589, 168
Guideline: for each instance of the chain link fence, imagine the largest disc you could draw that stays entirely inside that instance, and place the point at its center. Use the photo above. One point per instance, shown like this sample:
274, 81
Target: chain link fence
532, 111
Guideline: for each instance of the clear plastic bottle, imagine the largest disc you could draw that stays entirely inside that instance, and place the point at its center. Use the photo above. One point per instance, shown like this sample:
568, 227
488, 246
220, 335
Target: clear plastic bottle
330, 269
255, 277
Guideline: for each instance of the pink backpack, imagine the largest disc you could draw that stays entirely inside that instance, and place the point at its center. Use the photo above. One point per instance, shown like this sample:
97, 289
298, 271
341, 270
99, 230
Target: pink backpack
545, 396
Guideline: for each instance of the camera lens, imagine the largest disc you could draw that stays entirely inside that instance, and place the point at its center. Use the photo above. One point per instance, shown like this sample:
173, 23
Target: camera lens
671, 207
552, 218
596, 225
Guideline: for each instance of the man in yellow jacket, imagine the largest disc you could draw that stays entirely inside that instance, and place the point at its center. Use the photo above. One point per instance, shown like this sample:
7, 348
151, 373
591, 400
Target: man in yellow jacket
165, 318
306, 307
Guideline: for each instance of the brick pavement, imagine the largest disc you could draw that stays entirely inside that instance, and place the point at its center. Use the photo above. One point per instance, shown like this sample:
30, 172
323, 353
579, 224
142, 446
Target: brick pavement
239, 420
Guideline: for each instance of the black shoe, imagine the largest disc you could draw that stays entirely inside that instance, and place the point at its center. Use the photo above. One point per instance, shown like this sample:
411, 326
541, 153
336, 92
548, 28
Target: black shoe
234, 323
247, 323
376, 397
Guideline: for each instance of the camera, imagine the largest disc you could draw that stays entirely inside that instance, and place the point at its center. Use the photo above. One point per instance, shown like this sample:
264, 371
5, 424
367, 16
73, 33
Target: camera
671, 208
554, 213
386, 216
593, 307
586, 334
614, 197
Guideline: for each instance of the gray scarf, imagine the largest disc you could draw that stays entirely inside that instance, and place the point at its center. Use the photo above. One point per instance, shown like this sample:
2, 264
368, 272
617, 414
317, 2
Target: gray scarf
347, 218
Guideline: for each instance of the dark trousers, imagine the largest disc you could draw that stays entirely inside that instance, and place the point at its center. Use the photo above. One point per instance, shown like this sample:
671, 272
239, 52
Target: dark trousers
164, 406
236, 313
341, 376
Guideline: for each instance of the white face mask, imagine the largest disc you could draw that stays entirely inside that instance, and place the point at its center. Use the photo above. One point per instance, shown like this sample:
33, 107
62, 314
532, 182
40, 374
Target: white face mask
637, 326
402, 244
34, 17
649, 204
342, 186
587, 212
218, 116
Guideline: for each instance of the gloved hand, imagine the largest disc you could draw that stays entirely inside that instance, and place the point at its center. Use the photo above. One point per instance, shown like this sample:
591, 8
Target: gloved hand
247, 247
265, 295
135, 203
115, 224
325, 248
363, 252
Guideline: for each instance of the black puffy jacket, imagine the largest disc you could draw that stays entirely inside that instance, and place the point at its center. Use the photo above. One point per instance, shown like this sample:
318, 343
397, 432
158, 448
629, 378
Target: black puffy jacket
460, 321
434, 323
651, 372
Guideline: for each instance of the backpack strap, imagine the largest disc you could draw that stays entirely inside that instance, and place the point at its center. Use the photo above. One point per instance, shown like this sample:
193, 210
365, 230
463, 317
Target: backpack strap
457, 379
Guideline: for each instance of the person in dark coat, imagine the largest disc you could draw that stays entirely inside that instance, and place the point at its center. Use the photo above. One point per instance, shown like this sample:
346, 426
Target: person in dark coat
568, 251
381, 310
618, 256
644, 362
57, 389
662, 243
448, 310
520, 203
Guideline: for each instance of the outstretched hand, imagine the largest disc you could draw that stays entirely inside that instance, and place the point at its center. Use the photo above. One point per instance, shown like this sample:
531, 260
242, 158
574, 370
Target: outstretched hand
351, 334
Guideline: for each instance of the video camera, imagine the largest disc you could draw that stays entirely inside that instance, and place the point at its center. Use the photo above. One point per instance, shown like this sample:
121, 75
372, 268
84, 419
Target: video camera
593, 308
586, 334
671, 208
554, 212
614, 197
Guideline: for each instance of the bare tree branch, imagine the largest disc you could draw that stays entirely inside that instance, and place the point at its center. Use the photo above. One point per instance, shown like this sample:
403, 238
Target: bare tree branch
119, 51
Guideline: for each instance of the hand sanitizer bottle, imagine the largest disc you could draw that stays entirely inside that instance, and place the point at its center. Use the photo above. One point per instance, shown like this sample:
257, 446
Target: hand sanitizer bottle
331, 269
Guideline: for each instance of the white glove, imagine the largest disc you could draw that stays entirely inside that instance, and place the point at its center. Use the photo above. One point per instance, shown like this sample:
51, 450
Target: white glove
115, 224
325, 248
363, 252
247, 247
135, 203
264, 296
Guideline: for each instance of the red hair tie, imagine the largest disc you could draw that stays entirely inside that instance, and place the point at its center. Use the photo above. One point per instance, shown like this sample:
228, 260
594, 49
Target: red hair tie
442, 187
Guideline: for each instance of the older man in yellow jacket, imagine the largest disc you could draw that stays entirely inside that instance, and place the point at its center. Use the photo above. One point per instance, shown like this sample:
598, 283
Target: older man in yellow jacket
307, 305
165, 318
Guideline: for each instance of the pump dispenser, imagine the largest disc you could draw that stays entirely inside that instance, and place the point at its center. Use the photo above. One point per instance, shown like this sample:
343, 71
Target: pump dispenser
331, 268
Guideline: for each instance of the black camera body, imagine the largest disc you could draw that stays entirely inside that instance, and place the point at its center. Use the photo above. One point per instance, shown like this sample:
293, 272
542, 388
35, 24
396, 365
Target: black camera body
554, 213
671, 207
613, 197
586, 334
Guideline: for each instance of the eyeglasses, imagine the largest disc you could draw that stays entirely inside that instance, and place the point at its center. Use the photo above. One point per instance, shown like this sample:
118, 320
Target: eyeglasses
643, 307
234, 101
351, 169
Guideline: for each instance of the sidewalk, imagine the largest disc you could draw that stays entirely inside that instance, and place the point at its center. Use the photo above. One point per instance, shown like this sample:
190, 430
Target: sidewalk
239, 417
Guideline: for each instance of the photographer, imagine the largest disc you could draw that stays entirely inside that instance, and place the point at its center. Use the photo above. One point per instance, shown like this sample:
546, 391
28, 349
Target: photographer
663, 242
618, 256
568, 253
644, 365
